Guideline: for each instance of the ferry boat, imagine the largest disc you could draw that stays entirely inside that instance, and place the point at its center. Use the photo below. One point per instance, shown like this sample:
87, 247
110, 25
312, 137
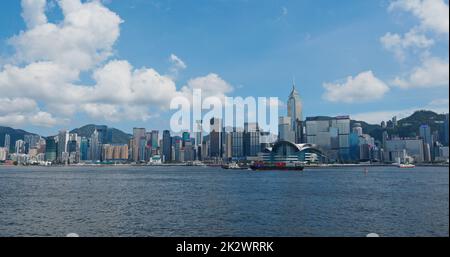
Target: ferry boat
278, 166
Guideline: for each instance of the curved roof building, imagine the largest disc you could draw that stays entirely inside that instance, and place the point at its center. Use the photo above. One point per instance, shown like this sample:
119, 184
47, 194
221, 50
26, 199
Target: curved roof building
288, 152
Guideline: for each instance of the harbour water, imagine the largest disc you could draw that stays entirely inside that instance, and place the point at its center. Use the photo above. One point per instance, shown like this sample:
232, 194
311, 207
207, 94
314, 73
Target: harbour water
205, 201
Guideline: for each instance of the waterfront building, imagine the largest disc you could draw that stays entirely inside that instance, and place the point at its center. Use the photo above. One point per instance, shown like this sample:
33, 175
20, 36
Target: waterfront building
138, 134
31, 141
332, 135
115, 152
155, 141
63, 138
102, 134
50, 149
425, 134
295, 113
285, 133
3, 154
199, 139
252, 144
288, 152
95, 147
215, 138
7, 142
237, 144
402, 148
20, 147
167, 146
84, 149
142, 149
357, 129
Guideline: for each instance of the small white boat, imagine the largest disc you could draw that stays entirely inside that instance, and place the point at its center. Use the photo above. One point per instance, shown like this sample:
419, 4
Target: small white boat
406, 166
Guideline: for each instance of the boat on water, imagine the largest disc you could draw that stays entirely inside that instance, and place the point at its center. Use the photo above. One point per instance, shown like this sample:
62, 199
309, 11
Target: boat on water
406, 166
277, 166
233, 166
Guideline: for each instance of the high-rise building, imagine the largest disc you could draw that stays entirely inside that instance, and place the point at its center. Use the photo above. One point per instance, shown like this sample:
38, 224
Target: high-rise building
167, 146
50, 149
215, 138
332, 135
155, 139
403, 149
237, 138
63, 138
186, 136
285, 133
357, 129
3, 154
295, 113
252, 144
425, 134
102, 134
8, 142
84, 149
138, 134
95, 148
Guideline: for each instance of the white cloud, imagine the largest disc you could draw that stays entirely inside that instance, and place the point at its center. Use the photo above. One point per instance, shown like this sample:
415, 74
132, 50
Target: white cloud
364, 87
433, 14
81, 41
34, 12
43, 119
50, 57
177, 65
17, 105
18, 111
399, 44
211, 85
433, 72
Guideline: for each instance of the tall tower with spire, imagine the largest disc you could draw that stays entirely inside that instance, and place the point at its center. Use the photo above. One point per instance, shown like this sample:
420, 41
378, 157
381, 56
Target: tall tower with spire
295, 113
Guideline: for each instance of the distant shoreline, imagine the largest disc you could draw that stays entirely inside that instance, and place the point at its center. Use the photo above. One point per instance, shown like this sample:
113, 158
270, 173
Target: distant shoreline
322, 166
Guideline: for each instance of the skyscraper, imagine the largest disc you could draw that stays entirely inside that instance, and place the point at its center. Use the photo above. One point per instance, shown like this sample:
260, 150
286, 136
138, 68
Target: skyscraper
295, 113
63, 138
425, 134
252, 144
215, 149
7, 142
138, 134
167, 146
95, 146
50, 149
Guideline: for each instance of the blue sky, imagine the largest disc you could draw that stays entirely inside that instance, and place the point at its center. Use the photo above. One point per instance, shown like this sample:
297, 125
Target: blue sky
256, 48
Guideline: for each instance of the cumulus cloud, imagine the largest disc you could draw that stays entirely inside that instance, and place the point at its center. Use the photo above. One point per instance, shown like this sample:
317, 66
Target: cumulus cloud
81, 41
399, 44
34, 12
364, 87
433, 20
211, 85
433, 72
433, 14
19, 111
49, 58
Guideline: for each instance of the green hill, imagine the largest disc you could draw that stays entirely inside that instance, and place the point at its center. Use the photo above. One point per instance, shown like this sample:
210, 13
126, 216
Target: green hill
15, 134
114, 136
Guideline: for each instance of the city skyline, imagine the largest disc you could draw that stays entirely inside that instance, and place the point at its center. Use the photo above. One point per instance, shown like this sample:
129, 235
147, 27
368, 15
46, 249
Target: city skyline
397, 65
